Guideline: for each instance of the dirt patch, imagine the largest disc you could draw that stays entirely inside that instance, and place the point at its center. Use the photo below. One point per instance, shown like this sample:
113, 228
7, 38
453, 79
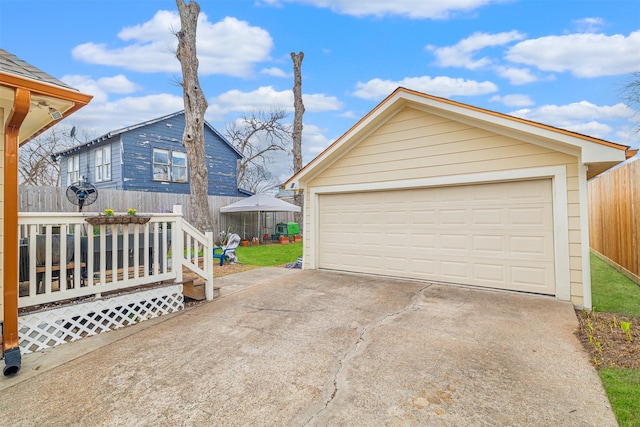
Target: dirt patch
226, 269
612, 340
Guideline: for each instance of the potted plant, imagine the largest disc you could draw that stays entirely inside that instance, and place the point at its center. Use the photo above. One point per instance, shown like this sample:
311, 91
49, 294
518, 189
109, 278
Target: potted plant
245, 242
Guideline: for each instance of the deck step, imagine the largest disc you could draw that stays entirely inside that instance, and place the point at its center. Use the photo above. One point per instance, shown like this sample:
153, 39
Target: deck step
194, 289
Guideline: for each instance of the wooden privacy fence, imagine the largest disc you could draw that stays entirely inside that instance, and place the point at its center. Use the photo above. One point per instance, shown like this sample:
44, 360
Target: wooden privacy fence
614, 216
54, 199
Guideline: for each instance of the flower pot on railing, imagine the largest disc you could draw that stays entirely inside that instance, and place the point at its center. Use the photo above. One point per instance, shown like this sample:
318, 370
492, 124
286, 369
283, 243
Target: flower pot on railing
117, 219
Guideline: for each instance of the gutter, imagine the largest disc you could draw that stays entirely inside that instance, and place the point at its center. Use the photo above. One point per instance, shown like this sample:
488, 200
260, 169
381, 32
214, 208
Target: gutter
10, 344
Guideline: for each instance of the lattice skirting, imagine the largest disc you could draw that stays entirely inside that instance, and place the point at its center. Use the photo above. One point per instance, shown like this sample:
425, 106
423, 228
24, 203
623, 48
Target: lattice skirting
45, 329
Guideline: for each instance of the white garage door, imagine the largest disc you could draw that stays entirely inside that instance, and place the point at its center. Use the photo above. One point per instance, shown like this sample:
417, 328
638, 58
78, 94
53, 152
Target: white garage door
497, 235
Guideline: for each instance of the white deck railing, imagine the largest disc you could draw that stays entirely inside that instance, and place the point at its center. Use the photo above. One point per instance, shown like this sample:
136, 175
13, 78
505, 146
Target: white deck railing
63, 257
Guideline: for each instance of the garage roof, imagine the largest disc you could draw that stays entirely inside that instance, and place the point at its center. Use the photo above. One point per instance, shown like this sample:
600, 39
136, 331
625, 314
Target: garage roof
598, 154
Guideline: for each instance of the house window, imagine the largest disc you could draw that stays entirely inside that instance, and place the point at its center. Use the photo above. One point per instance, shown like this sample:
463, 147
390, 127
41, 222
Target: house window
179, 166
73, 169
169, 165
103, 163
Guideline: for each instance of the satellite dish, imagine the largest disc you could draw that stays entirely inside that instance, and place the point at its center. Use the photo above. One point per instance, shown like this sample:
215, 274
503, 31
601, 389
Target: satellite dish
82, 193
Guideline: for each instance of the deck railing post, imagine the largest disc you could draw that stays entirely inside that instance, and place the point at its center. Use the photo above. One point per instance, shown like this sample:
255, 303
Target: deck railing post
177, 257
207, 255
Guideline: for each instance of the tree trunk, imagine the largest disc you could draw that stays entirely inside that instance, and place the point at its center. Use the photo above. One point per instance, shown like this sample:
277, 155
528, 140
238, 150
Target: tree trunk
195, 105
298, 198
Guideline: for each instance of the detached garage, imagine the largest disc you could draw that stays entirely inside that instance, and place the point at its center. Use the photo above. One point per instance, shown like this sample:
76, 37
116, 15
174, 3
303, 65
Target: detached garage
431, 189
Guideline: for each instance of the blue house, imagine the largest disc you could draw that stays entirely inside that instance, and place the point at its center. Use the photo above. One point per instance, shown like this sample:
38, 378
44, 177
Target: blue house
150, 157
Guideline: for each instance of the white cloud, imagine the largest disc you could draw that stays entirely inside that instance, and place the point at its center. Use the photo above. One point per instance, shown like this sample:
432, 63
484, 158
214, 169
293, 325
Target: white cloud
583, 117
313, 141
101, 88
102, 117
230, 46
415, 9
516, 76
584, 55
461, 54
265, 98
274, 72
439, 86
513, 100
588, 25
118, 84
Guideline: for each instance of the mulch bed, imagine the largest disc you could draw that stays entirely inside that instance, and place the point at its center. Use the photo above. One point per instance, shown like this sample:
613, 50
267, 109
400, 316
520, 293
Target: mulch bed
608, 344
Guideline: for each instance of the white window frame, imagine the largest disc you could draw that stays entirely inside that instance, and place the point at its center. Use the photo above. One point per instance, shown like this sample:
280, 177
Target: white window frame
73, 169
102, 162
181, 167
165, 177
171, 166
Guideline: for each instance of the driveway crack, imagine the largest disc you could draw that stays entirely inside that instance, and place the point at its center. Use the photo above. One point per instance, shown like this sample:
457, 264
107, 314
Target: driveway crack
338, 380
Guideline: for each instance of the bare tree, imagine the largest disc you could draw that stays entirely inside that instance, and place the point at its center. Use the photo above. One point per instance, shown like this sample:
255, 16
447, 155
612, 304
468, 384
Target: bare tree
195, 105
35, 164
258, 179
255, 135
297, 125
632, 93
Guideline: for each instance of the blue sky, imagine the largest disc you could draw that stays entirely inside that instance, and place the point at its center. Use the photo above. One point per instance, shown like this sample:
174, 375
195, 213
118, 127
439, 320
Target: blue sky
559, 62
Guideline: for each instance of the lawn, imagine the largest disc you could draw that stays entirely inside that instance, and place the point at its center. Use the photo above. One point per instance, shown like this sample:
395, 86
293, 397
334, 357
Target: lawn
612, 292
623, 390
269, 255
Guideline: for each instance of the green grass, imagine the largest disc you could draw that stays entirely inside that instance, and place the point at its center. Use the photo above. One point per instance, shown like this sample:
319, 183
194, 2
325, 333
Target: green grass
612, 291
269, 255
623, 390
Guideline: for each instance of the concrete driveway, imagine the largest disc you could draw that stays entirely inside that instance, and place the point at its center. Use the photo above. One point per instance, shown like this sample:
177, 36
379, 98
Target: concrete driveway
289, 347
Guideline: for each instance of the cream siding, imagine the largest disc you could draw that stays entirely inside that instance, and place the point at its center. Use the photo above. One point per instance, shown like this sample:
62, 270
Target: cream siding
414, 145
2, 122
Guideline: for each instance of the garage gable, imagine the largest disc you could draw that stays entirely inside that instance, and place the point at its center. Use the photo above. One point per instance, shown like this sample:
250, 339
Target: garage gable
597, 154
414, 144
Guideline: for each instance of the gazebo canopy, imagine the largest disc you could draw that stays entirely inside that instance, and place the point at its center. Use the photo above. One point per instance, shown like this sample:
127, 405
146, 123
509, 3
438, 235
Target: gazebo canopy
260, 203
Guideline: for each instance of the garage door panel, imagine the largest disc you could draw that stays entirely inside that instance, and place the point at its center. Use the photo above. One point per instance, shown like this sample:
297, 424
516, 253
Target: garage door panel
453, 217
423, 217
454, 243
528, 191
490, 273
488, 217
491, 245
530, 278
529, 216
496, 235
531, 246
454, 269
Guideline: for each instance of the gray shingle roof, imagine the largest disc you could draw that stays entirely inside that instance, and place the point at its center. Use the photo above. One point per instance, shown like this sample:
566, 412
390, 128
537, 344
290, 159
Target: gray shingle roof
11, 64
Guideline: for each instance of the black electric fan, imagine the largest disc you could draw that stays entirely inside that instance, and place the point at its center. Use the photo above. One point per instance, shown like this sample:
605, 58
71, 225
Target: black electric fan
82, 193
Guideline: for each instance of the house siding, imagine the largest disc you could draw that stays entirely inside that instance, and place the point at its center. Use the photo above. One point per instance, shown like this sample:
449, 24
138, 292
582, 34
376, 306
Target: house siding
131, 160
414, 145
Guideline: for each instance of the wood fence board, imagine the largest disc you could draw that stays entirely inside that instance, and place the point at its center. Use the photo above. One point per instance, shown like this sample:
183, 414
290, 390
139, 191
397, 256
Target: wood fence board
54, 199
614, 215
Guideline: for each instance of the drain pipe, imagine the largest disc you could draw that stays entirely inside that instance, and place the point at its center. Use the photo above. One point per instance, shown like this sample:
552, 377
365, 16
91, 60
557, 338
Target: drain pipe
10, 342
12, 361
